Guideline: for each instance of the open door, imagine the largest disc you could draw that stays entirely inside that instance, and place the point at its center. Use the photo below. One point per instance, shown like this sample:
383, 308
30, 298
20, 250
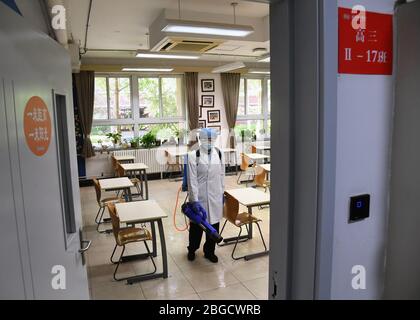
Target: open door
41, 213
403, 250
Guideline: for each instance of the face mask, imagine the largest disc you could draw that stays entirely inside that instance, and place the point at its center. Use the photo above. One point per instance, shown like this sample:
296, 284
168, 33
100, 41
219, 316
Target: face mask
208, 145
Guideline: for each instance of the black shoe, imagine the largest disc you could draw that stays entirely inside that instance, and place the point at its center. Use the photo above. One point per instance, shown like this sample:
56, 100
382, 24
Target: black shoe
191, 256
212, 257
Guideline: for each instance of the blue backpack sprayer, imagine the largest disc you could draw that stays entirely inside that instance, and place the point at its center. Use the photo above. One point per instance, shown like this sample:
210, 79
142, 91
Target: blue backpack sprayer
198, 217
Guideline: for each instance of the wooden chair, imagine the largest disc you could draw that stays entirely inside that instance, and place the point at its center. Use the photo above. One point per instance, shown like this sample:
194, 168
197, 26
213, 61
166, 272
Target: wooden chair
260, 179
172, 165
115, 165
135, 181
127, 235
102, 203
231, 214
247, 168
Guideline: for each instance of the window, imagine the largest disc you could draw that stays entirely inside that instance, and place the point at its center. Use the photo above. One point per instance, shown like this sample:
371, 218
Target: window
172, 93
269, 96
160, 97
136, 105
99, 134
101, 99
250, 97
119, 98
254, 97
162, 131
241, 107
149, 97
112, 98
251, 128
254, 107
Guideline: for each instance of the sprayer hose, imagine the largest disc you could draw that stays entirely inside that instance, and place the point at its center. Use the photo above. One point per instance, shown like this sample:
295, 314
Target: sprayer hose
175, 211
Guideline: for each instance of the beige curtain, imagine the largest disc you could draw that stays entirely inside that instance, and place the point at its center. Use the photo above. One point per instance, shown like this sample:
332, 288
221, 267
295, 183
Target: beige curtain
230, 85
191, 80
85, 88
193, 105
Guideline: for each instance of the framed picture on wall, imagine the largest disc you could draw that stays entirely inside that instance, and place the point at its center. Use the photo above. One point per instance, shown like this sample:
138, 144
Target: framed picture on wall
213, 116
201, 112
202, 124
207, 101
207, 85
218, 129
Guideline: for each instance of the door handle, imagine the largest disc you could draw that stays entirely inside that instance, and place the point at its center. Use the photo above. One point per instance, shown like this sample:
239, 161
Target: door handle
86, 247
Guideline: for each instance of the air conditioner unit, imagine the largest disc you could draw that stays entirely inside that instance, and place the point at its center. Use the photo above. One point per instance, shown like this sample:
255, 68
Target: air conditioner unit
179, 44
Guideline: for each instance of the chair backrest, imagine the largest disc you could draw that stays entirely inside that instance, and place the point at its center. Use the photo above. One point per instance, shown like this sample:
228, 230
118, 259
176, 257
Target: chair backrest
260, 177
244, 162
97, 190
115, 220
120, 171
230, 208
115, 165
253, 149
169, 159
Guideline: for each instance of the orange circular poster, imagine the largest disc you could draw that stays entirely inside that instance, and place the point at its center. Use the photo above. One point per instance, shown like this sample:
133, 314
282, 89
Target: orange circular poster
37, 126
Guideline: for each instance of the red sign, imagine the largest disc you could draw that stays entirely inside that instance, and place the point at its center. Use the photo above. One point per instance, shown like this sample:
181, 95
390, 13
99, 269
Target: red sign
365, 51
37, 126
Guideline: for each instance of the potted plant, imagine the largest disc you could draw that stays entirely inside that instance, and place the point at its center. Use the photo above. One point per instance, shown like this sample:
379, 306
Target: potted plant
125, 144
135, 143
115, 137
148, 140
180, 135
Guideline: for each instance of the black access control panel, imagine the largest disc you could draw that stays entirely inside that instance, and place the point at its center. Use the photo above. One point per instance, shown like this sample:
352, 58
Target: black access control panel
359, 208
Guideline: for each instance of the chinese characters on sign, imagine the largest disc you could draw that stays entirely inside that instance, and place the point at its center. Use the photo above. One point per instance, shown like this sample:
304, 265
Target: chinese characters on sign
37, 126
365, 51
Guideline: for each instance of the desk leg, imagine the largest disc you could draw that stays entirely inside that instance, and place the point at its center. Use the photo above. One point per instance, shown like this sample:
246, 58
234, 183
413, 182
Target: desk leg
128, 195
250, 225
163, 246
146, 185
141, 184
153, 228
164, 273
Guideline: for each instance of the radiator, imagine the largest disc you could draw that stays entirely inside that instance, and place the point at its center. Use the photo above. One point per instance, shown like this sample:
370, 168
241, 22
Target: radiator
153, 158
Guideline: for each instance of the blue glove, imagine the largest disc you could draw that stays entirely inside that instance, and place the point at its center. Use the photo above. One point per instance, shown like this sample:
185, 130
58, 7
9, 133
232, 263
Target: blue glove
199, 210
196, 206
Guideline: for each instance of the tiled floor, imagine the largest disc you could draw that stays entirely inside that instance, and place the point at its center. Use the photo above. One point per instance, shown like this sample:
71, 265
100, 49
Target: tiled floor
200, 279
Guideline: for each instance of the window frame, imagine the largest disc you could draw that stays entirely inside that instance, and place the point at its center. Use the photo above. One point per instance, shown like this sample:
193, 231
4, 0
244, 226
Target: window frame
108, 96
265, 115
136, 120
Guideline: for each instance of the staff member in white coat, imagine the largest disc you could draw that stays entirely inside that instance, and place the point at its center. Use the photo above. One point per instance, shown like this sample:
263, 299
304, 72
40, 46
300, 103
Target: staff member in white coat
206, 184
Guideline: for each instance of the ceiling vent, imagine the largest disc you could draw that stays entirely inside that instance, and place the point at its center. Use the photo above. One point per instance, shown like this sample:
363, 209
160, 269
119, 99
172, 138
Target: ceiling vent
196, 45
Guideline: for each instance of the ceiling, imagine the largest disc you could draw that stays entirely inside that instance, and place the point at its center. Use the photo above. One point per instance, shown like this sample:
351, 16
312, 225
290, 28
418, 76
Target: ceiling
118, 28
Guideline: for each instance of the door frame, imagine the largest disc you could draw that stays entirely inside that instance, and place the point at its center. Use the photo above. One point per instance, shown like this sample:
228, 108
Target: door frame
304, 87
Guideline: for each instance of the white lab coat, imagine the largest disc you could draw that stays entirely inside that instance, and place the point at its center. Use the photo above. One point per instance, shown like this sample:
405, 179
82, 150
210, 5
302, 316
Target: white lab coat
206, 182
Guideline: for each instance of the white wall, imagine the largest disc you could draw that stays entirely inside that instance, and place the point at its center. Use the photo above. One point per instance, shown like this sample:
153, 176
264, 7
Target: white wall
364, 112
218, 104
32, 12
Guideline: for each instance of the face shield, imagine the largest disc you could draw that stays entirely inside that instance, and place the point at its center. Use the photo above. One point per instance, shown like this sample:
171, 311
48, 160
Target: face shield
208, 138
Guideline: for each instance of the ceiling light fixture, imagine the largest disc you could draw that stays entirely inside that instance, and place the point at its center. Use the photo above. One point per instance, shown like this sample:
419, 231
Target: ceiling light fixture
216, 29
229, 67
148, 69
259, 71
208, 28
151, 55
